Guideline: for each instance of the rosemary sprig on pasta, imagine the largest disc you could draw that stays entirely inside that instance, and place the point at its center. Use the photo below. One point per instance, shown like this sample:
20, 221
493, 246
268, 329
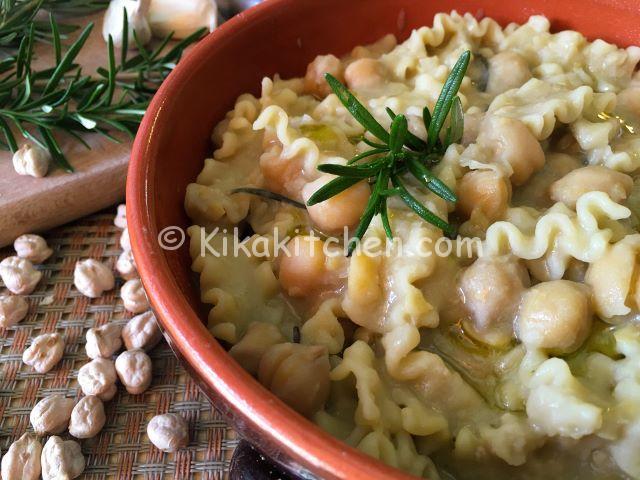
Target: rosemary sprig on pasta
398, 151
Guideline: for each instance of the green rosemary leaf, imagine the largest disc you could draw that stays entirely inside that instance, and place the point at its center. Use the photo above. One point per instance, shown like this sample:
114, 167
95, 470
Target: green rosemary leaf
268, 194
8, 135
124, 49
457, 121
398, 135
67, 61
417, 207
413, 142
384, 215
111, 80
331, 189
447, 95
357, 110
55, 34
358, 171
426, 117
429, 180
54, 149
366, 154
373, 144
75, 7
365, 220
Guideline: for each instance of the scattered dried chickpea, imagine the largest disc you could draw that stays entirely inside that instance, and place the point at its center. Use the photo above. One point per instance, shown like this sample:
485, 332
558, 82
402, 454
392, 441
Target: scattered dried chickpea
103, 341
125, 241
98, 377
134, 370
168, 432
92, 278
13, 309
45, 352
141, 332
134, 297
51, 414
31, 160
126, 266
61, 460
22, 460
87, 417
121, 217
19, 276
32, 247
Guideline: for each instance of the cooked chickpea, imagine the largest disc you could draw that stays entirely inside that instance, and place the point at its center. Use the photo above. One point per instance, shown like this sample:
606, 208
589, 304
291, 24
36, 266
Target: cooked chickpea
339, 211
297, 374
259, 338
555, 316
491, 289
303, 268
314, 82
472, 122
588, 179
507, 70
365, 73
486, 191
513, 144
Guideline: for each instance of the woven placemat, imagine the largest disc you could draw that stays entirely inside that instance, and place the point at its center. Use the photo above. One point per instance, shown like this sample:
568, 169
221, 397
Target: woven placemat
122, 450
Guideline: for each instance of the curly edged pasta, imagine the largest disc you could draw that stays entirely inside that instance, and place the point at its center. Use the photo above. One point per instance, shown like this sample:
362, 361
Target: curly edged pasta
517, 360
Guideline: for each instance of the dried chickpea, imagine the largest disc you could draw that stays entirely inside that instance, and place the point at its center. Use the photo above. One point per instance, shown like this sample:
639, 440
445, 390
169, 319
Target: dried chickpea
98, 377
126, 266
134, 297
61, 460
125, 240
289, 369
19, 276
92, 278
168, 432
45, 352
87, 417
51, 414
31, 160
22, 460
13, 309
141, 332
103, 341
120, 220
32, 247
134, 370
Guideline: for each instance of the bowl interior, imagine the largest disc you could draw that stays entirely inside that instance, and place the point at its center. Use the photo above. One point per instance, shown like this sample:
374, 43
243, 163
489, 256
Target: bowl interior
279, 36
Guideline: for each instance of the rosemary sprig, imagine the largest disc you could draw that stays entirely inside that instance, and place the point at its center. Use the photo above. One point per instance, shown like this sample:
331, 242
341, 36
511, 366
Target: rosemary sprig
397, 152
259, 192
40, 104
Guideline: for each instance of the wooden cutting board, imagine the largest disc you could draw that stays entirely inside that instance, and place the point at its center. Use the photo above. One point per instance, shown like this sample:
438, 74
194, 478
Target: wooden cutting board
30, 204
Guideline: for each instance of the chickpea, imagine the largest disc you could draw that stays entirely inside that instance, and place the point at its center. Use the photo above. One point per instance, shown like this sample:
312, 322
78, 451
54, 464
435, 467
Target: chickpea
51, 414
45, 352
13, 309
22, 460
134, 297
314, 81
507, 70
19, 276
87, 417
141, 332
340, 211
589, 179
120, 219
297, 374
61, 460
472, 122
486, 191
259, 338
125, 240
304, 270
168, 432
555, 316
365, 73
126, 266
513, 144
32, 247
134, 370
491, 289
98, 377
103, 341
92, 278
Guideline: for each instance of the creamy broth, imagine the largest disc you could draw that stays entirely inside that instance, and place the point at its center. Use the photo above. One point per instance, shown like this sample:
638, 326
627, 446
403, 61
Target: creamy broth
521, 363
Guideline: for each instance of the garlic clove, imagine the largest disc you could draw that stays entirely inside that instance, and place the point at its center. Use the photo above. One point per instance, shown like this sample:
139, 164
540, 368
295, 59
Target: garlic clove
181, 17
31, 160
137, 20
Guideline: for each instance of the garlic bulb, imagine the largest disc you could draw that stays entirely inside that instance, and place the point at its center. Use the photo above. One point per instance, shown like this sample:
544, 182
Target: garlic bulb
137, 20
31, 160
181, 17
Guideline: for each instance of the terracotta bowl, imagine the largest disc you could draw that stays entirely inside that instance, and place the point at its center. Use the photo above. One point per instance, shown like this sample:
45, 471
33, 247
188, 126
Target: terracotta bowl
278, 36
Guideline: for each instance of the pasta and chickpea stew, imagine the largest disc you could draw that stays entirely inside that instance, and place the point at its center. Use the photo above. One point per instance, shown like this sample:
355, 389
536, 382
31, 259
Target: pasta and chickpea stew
517, 358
